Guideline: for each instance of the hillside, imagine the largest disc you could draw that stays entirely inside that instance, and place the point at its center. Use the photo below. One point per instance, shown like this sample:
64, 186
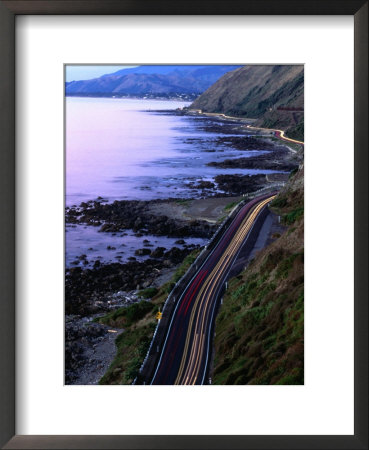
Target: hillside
273, 94
260, 326
158, 80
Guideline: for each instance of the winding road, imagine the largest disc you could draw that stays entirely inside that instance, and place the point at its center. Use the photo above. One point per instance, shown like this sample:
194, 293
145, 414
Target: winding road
278, 133
185, 355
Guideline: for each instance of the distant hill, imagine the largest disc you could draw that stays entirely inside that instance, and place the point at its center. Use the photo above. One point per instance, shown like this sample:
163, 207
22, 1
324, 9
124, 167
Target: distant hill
274, 94
154, 80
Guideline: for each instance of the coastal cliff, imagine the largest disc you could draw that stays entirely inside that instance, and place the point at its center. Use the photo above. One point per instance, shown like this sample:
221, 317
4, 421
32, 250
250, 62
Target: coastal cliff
272, 94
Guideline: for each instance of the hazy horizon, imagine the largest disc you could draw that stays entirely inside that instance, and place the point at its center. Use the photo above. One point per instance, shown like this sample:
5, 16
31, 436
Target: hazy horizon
90, 71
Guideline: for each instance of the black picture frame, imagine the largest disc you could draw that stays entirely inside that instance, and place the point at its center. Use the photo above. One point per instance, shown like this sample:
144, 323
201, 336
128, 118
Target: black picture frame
8, 12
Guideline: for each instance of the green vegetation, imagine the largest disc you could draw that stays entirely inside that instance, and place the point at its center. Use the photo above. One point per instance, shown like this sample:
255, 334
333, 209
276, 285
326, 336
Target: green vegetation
292, 216
132, 347
187, 262
221, 219
260, 327
127, 316
290, 203
249, 108
149, 292
279, 202
180, 271
296, 132
274, 95
230, 206
138, 321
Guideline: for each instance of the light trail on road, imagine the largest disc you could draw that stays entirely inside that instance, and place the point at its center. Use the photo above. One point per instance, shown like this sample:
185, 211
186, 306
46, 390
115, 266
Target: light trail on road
185, 354
278, 133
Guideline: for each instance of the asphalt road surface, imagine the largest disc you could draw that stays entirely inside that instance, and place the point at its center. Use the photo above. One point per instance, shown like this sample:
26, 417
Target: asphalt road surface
185, 354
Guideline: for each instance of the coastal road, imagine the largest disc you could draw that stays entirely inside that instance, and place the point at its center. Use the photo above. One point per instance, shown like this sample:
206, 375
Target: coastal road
278, 133
185, 355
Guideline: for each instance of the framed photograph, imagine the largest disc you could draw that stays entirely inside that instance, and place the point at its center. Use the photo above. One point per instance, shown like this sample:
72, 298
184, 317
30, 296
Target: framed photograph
184, 224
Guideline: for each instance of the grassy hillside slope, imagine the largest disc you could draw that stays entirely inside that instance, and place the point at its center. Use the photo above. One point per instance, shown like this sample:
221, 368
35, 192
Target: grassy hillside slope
260, 327
273, 94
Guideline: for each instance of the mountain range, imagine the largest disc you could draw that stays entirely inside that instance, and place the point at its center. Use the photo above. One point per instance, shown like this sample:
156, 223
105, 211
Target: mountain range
156, 80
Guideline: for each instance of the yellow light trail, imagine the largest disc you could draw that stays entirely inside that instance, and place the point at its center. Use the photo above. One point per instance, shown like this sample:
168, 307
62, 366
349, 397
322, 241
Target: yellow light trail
189, 375
238, 240
282, 135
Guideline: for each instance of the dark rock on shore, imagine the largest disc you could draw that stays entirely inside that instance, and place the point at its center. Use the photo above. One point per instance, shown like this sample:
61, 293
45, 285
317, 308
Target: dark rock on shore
201, 185
135, 215
278, 157
89, 350
158, 252
85, 288
89, 346
77, 337
259, 162
143, 251
238, 184
247, 143
175, 255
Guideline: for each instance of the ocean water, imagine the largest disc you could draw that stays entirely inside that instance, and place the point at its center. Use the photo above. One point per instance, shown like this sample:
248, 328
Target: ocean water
124, 149
113, 247
127, 149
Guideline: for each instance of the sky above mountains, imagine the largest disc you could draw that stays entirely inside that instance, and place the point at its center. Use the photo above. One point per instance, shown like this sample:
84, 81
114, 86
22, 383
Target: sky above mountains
88, 72
142, 80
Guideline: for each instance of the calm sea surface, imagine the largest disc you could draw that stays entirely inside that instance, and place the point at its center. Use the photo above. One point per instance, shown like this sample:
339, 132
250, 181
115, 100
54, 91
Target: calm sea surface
127, 149
124, 149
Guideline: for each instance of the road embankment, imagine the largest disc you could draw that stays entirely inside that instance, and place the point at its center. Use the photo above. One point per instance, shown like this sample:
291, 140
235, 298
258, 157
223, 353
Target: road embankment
260, 327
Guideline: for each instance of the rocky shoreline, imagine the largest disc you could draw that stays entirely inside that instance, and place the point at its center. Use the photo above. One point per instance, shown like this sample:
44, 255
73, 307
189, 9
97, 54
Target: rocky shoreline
264, 162
135, 215
89, 349
92, 291
270, 152
87, 291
